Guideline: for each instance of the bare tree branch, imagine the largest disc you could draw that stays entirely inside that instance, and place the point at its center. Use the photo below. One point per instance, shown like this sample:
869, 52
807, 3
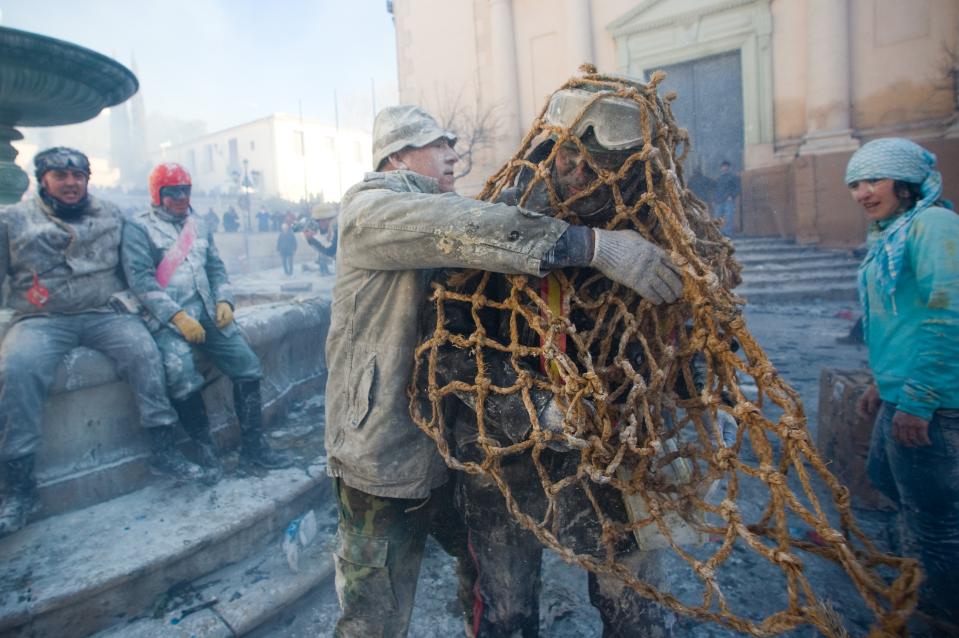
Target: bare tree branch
948, 69
474, 126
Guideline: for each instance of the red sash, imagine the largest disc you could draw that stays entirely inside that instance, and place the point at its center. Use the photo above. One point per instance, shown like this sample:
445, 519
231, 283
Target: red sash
177, 253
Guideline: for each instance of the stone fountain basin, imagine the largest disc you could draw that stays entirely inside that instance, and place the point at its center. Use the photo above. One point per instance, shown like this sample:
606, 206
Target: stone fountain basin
49, 82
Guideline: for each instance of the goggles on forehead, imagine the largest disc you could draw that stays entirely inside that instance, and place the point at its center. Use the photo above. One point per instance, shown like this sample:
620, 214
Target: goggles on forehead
176, 192
61, 158
615, 121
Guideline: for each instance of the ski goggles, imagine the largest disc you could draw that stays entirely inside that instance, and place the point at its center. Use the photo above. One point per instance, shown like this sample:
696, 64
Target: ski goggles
614, 120
176, 192
60, 158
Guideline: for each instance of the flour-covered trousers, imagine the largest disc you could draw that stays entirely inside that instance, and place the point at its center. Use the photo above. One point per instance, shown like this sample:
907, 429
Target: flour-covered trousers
508, 561
35, 346
227, 349
726, 211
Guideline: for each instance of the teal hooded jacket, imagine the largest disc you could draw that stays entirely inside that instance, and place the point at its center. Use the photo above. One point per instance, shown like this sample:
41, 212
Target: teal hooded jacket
913, 333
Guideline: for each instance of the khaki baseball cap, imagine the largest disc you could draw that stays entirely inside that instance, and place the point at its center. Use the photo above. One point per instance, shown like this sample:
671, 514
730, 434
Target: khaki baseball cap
403, 126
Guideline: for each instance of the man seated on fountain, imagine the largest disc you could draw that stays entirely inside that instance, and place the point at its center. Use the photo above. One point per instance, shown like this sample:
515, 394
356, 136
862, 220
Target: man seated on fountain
61, 253
174, 269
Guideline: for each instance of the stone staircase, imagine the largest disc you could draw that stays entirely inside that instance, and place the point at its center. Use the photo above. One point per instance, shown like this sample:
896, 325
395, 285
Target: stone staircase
777, 270
116, 552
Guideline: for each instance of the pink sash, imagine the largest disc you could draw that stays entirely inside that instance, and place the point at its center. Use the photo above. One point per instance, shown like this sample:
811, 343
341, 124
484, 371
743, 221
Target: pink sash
177, 253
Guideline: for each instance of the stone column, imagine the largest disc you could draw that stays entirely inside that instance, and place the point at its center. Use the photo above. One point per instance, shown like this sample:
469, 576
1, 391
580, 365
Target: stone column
828, 88
579, 23
506, 96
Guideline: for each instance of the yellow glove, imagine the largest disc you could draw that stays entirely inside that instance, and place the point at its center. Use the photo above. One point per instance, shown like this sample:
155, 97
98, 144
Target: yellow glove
224, 314
189, 327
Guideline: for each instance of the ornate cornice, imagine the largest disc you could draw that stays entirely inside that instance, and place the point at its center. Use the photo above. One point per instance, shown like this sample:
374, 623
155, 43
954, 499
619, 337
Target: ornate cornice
630, 23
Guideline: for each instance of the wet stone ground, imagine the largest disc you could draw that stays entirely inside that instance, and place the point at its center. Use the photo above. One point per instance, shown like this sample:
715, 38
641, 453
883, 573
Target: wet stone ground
800, 340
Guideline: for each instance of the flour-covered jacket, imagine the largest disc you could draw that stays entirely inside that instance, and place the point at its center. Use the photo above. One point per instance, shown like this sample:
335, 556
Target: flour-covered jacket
198, 283
395, 228
75, 266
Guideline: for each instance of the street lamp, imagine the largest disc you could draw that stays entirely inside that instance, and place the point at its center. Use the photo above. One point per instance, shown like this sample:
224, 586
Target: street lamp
246, 187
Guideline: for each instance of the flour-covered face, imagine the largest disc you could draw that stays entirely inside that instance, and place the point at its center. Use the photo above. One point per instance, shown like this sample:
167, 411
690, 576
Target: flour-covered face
176, 199
877, 197
66, 185
435, 160
572, 174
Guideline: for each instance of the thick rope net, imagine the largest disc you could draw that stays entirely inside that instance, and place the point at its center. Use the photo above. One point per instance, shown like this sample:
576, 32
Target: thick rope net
660, 449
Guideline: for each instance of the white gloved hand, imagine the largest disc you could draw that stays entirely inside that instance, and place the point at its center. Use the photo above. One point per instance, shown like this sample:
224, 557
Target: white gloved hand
628, 259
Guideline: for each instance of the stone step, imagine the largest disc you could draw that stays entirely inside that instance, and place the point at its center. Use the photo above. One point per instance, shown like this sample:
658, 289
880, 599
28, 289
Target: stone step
773, 240
84, 571
774, 248
798, 292
822, 263
792, 256
823, 277
241, 597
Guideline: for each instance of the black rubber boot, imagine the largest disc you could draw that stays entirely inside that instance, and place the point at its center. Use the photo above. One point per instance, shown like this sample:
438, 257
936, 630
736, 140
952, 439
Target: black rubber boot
193, 418
249, 412
19, 494
168, 460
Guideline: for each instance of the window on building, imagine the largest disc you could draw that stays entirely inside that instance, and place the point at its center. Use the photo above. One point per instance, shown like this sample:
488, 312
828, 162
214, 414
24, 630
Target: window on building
327, 143
208, 158
234, 153
252, 145
191, 159
257, 178
299, 143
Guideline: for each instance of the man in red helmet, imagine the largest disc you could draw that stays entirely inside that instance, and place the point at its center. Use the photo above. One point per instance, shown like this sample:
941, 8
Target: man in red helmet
173, 267
60, 251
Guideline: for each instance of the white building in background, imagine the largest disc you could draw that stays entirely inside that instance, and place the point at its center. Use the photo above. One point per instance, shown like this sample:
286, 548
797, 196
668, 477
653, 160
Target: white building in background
286, 157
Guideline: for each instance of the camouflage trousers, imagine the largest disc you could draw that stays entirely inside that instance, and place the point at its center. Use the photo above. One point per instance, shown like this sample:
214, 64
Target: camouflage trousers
378, 551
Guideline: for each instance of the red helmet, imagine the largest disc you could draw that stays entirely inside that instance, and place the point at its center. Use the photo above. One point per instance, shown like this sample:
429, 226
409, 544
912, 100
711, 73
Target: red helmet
168, 174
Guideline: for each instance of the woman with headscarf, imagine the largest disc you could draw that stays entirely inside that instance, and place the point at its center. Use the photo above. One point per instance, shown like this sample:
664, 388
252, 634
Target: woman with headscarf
909, 290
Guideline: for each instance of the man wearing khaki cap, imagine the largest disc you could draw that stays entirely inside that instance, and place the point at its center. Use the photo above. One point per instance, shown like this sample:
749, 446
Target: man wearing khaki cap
396, 227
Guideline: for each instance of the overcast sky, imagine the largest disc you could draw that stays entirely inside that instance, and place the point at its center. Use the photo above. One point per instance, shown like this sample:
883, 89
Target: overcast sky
227, 62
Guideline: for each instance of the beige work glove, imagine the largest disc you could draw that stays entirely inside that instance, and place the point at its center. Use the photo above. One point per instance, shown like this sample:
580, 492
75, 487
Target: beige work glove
224, 314
189, 327
628, 259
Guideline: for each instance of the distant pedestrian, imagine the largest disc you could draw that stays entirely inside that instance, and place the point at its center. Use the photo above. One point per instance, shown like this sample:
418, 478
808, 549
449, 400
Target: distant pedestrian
286, 246
726, 196
263, 220
231, 221
321, 235
212, 220
701, 185
276, 221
